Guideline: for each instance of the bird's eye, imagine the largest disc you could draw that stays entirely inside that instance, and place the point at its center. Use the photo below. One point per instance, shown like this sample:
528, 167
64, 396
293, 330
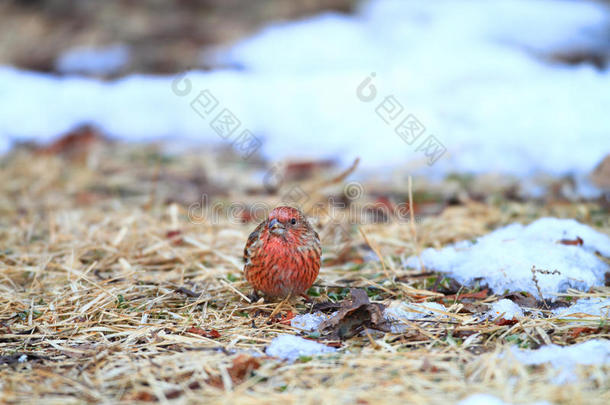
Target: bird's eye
293, 221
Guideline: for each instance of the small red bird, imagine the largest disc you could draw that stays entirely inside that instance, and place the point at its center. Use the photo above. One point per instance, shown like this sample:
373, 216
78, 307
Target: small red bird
282, 255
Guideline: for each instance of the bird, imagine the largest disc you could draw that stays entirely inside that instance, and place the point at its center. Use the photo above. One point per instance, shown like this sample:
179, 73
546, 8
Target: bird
282, 255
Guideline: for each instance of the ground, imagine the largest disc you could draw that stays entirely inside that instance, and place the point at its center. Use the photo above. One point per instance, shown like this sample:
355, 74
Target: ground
120, 283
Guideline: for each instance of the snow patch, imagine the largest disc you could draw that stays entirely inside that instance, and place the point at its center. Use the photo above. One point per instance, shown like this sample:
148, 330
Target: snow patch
94, 61
505, 308
483, 90
290, 347
565, 359
591, 306
309, 322
504, 258
487, 399
397, 312
482, 399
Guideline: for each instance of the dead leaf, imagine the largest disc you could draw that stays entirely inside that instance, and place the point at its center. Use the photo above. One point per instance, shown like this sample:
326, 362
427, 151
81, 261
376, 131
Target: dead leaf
242, 366
354, 315
476, 295
144, 396
576, 332
471, 308
523, 299
75, 143
174, 236
505, 322
574, 242
326, 307
283, 319
212, 334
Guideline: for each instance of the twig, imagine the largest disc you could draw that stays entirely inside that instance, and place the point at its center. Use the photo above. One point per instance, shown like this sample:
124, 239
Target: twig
412, 226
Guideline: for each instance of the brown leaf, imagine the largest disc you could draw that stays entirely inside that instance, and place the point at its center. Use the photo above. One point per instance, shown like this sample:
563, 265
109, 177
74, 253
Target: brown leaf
354, 315
574, 242
173, 394
174, 235
212, 334
577, 331
523, 299
144, 396
239, 371
471, 308
476, 295
75, 143
326, 307
283, 319
504, 322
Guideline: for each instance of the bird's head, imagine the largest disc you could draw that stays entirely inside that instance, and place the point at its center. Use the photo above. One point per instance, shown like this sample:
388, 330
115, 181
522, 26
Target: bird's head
286, 222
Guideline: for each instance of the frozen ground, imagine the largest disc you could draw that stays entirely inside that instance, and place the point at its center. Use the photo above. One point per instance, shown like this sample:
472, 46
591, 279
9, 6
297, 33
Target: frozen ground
504, 259
477, 75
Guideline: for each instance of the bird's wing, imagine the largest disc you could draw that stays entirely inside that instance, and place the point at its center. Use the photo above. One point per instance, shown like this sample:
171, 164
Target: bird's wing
251, 244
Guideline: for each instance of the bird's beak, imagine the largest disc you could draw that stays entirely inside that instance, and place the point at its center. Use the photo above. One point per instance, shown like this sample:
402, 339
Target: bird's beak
276, 227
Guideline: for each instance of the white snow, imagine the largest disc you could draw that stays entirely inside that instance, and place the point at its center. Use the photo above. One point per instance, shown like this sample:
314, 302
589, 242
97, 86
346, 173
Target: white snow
482, 399
394, 313
565, 359
487, 399
309, 322
505, 308
477, 75
399, 311
504, 258
95, 61
591, 306
290, 347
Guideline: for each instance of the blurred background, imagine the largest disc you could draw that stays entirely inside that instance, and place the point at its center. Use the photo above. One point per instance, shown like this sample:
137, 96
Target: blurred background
516, 90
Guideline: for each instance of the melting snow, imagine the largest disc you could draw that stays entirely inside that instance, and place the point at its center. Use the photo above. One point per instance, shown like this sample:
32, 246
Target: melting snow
566, 358
504, 258
477, 75
486, 399
396, 312
289, 347
591, 306
309, 322
507, 308
406, 311
95, 61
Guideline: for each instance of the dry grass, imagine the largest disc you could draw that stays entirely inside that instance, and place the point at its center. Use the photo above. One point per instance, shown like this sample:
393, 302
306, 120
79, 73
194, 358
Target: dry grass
115, 295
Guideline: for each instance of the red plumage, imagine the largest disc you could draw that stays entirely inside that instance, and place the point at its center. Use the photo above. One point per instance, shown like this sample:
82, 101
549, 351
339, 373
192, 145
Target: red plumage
282, 255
